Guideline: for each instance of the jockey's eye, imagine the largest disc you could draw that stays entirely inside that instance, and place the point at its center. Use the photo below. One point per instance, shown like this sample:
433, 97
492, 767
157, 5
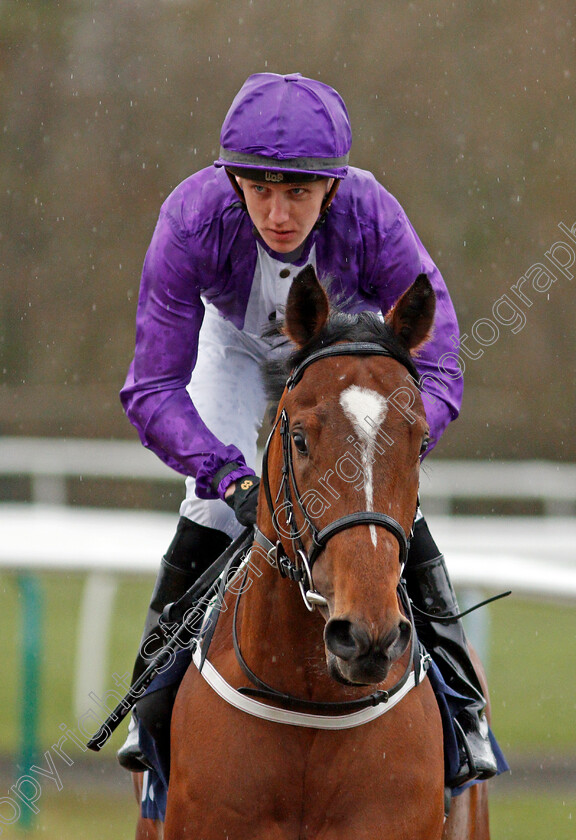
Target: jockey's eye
300, 442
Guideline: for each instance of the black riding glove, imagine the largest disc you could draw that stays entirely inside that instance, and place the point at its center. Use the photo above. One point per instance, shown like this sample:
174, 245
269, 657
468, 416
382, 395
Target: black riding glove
244, 499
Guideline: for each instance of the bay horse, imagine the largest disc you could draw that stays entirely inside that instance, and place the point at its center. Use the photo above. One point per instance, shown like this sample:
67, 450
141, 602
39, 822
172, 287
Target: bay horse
317, 637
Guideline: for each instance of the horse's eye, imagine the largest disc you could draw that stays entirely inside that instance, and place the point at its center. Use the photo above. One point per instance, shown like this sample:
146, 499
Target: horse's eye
424, 445
300, 442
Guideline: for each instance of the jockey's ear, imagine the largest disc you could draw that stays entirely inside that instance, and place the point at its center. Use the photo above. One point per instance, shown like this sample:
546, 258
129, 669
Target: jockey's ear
412, 315
307, 307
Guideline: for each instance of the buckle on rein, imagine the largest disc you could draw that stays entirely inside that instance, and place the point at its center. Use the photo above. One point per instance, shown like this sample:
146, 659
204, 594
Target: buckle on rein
301, 574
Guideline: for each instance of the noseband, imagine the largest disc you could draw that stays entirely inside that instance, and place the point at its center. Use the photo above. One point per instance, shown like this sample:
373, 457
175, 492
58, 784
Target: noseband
301, 570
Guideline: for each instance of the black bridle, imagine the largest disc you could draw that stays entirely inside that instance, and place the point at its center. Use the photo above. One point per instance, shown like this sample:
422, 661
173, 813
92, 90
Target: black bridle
288, 497
301, 570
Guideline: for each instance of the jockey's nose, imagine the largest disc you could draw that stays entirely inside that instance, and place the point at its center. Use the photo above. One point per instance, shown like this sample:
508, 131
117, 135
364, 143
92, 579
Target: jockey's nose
348, 640
278, 212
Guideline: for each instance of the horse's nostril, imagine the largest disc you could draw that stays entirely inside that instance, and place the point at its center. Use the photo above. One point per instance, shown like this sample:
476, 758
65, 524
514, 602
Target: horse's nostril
350, 641
405, 629
339, 639
404, 634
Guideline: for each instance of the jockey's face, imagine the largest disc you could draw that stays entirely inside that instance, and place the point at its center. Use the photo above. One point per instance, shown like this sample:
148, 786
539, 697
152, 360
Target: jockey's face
284, 214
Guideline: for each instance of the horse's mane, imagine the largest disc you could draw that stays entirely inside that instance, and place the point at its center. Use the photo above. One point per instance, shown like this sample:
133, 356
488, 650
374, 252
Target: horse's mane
341, 326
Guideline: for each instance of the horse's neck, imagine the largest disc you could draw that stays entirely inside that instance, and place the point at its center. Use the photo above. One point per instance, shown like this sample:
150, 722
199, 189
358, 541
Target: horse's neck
280, 639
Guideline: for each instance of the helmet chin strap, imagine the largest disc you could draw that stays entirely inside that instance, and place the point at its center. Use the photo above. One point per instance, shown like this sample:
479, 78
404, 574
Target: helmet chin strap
328, 199
236, 187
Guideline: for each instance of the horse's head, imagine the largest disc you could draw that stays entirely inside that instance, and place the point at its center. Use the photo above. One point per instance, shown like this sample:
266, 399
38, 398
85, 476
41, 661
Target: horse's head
343, 466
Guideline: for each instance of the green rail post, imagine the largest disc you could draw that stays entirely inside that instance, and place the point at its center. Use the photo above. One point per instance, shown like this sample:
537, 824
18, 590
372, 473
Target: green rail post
31, 612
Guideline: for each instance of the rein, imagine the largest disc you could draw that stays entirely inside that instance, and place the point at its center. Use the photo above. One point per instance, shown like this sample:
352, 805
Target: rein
417, 660
297, 711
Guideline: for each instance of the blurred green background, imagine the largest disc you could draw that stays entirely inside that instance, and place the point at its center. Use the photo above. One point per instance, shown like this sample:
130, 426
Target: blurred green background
464, 111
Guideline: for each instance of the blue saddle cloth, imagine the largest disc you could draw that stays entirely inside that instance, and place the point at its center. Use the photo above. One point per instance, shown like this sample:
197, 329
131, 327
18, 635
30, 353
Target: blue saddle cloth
155, 786
450, 704
155, 783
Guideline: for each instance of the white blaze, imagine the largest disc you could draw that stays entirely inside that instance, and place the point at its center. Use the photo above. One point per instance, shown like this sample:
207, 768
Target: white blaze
359, 403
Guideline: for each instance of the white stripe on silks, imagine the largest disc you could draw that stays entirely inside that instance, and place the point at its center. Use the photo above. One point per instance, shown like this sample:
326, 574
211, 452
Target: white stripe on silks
261, 710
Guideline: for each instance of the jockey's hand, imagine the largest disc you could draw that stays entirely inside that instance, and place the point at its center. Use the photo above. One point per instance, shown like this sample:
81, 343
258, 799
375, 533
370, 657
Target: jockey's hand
243, 499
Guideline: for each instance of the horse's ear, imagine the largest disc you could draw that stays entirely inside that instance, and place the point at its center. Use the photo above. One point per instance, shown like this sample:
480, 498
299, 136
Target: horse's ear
412, 315
307, 307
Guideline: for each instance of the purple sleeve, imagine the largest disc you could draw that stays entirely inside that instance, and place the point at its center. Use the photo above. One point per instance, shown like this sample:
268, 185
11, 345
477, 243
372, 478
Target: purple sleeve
154, 396
402, 259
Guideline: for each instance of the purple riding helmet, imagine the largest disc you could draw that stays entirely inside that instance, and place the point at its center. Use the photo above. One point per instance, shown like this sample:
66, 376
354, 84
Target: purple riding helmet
285, 129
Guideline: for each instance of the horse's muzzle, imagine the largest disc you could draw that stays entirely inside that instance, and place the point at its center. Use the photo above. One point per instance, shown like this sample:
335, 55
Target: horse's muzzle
355, 656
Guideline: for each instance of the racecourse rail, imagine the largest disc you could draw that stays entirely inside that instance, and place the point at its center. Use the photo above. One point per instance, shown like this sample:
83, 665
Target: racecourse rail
534, 556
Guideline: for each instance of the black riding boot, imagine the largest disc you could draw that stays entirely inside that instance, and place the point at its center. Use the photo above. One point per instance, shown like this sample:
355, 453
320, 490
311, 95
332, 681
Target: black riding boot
193, 549
430, 590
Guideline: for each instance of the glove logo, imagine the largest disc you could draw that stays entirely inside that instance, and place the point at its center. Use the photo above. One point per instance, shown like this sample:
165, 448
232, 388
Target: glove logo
247, 484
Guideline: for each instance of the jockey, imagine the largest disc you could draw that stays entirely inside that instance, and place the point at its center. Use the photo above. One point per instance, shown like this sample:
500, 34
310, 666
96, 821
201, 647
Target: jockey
228, 242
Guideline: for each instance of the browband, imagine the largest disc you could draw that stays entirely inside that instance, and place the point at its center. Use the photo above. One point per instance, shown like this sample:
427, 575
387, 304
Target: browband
353, 348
